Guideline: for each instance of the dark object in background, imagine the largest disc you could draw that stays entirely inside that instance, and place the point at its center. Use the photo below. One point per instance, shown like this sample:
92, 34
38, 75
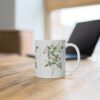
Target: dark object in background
85, 35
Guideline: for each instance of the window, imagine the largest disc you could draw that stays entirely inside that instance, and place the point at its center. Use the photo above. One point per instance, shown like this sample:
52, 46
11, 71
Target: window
63, 21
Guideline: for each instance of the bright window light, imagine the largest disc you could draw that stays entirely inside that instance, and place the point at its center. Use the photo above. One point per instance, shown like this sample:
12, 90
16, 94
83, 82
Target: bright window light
63, 21
79, 14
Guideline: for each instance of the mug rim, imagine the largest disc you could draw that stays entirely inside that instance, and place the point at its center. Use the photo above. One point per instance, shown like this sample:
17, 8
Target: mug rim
50, 40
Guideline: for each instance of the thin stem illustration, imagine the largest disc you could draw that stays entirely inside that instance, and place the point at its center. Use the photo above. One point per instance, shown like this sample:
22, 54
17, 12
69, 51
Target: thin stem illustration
53, 71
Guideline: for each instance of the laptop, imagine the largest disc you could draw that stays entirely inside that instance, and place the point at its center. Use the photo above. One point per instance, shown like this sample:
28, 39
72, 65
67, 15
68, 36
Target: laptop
85, 35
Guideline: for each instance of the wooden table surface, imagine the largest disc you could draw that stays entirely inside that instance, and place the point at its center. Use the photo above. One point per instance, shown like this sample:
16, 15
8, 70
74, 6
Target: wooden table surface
18, 82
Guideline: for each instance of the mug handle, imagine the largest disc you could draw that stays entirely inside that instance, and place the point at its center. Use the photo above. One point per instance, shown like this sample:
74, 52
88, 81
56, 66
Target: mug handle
78, 56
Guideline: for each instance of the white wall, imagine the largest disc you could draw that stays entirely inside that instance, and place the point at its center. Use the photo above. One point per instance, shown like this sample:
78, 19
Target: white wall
23, 15
30, 15
7, 14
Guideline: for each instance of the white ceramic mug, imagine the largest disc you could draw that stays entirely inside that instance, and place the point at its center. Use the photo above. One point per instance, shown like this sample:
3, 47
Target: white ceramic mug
50, 58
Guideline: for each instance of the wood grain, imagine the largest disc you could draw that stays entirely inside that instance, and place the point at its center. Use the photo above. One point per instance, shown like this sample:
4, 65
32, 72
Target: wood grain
18, 82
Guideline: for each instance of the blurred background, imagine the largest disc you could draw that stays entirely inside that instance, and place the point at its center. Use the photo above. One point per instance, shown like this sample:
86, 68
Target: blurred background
24, 21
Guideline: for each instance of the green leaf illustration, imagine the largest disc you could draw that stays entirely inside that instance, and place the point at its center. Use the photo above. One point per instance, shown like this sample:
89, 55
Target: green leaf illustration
46, 65
53, 57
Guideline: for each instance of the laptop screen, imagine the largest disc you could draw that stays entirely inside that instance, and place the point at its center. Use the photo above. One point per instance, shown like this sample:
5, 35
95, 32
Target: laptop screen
85, 35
